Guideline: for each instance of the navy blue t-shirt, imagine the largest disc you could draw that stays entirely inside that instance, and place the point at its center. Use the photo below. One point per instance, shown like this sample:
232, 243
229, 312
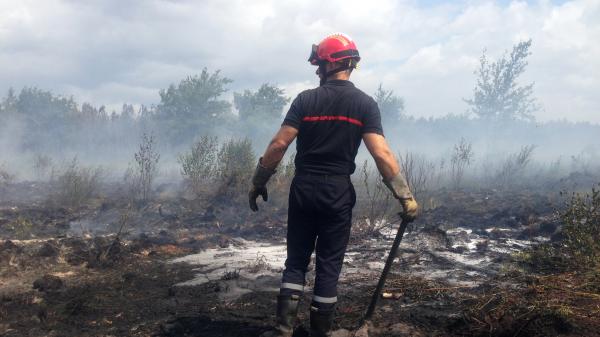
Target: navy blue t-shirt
331, 120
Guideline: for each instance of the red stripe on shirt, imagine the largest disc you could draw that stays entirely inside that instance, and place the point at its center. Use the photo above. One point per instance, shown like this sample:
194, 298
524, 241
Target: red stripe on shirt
332, 118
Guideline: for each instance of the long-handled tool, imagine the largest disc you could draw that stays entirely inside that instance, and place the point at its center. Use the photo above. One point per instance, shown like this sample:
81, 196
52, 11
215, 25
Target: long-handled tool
362, 330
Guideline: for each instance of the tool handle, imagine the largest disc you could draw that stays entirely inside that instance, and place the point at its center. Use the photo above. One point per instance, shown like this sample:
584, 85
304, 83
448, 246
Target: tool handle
386, 269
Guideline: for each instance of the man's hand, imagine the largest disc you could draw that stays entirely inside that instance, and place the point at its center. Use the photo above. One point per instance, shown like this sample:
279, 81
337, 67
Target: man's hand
253, 195
411, 209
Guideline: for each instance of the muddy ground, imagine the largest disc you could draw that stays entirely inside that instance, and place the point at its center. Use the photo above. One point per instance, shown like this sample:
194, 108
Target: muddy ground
171, 268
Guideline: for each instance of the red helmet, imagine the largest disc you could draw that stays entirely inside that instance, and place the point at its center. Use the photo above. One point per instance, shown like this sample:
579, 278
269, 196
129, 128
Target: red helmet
333, 48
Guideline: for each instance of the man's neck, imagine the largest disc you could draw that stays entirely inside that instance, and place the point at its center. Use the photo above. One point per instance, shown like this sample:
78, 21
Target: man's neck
339, 76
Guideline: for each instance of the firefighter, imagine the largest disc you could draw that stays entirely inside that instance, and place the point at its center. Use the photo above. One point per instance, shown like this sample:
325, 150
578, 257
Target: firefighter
330, 122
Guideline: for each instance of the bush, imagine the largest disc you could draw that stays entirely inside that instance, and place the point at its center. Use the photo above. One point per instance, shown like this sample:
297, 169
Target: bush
514, 166
280, 183
236, 164
141, 175
21, 228
76, 185
375, 200
199, 165
419, 172
579, 248
581, 229
461, 159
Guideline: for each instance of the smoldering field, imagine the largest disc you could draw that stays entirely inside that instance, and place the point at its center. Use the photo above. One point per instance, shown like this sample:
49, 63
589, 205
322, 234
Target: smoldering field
136, 223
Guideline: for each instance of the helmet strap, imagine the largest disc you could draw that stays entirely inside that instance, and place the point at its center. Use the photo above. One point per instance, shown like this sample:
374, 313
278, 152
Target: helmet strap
351, 64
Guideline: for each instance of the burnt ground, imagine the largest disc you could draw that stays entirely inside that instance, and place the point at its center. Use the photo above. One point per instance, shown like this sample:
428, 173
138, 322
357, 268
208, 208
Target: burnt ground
175, 270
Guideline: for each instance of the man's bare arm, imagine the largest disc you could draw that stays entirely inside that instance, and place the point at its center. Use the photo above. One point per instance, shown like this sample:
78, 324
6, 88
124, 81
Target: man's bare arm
384, 157
277, 147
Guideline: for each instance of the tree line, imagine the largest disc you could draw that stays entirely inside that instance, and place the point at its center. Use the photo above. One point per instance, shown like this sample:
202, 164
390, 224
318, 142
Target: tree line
196, 107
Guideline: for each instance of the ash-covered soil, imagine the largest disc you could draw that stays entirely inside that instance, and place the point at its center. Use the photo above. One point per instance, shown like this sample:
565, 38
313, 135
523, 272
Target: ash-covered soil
174, 268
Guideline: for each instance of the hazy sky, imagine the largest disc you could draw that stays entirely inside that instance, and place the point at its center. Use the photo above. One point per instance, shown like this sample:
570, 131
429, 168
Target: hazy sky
110, 52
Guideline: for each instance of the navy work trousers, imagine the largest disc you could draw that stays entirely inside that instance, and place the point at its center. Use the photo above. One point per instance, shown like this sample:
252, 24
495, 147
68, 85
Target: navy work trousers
319, 218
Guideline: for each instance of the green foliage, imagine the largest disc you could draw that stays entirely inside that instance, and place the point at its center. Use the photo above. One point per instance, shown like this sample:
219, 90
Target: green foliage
193, 105
199, 165
264, 105
581, 228
545, 258
390, 105
497, 95
76, 184
579, 248
45, 117
43, 105
21, 228
236, 163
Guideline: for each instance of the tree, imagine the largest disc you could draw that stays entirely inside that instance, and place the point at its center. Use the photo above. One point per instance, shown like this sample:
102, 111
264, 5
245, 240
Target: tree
265, 104
9, 103
192, 106
497, 95
260, 111
390, 105
47, 118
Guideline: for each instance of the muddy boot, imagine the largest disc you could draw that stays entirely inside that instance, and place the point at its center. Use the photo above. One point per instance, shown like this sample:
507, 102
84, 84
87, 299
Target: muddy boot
321, 322
287, 309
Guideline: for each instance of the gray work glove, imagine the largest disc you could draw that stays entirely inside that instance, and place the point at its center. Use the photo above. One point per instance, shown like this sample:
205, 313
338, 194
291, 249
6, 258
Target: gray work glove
401, 191
259, 185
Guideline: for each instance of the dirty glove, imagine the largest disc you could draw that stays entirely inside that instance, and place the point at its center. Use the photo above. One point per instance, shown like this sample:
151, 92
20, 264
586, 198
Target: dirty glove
411, 209
259, 185
401, 191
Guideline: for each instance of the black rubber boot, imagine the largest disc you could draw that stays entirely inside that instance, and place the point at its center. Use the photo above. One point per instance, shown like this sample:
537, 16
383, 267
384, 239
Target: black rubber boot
321, 322
287, 310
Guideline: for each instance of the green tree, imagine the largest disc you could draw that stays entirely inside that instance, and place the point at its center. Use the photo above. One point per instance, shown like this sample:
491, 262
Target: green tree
192, 106
390, 105
497, 95
265, 104
47, 118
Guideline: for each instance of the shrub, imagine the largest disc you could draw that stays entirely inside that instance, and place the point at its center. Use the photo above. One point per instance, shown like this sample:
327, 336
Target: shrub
581, 229
199, 165
236, 162
76, 185
42, 165
21, 228
142, 173
419, 172
376, 200
579, 247
515, 165
462, 157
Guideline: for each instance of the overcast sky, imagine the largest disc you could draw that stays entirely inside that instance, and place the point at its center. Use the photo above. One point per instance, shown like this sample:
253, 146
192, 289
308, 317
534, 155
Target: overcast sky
110, 52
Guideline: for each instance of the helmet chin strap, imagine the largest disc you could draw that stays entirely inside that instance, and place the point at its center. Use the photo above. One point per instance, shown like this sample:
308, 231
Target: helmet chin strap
346, 66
